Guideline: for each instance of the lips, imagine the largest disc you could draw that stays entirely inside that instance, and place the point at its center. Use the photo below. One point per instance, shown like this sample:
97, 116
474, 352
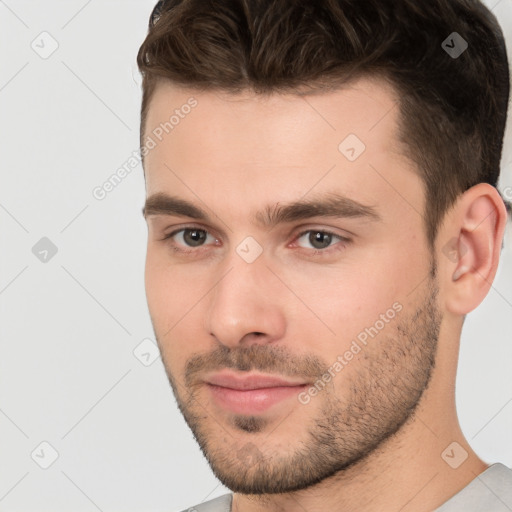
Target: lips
251, 394
252, 381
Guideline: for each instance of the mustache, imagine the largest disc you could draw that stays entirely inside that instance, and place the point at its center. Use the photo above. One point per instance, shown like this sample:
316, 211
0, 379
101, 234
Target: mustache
264, 358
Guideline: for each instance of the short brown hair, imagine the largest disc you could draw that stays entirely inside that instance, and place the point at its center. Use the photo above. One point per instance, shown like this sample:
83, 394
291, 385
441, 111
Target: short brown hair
452, 109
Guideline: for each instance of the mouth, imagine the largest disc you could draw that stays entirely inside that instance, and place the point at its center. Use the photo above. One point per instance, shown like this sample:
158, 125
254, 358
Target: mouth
251, 394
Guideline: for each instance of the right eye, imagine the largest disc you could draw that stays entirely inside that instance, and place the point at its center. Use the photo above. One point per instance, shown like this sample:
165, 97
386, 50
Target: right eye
189, 238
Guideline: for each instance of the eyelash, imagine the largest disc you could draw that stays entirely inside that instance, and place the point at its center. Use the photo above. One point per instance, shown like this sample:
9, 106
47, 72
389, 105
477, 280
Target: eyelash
342, 241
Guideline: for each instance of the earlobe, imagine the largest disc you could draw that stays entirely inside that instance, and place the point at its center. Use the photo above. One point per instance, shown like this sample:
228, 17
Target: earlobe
474, 248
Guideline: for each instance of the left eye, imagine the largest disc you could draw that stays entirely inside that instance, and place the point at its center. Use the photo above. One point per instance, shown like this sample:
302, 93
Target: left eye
318, 239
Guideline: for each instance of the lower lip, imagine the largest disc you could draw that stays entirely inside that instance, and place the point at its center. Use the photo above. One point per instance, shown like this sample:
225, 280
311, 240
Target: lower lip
252, 401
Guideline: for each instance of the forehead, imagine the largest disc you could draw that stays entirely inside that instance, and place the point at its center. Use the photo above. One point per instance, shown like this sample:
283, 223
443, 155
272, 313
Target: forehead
219, 145
358, 106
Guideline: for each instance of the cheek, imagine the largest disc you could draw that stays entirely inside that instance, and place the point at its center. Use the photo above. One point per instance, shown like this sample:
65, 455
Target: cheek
349, 298
167, 292
170, 300
175, 296
156, 285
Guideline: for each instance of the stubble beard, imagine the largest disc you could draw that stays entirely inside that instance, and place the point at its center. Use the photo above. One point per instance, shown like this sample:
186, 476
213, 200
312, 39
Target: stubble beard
392, 376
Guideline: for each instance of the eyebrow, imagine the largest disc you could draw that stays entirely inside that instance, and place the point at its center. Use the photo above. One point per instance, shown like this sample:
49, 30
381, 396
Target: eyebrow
330, 205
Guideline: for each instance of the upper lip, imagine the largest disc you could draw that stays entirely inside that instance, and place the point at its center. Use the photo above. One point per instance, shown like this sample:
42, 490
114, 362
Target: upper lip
250, 381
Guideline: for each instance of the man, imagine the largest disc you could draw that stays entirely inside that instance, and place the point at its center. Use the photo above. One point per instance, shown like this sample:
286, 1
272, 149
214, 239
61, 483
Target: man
323, 213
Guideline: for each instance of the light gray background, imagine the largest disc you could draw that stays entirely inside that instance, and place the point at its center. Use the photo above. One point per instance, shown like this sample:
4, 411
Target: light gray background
68, 374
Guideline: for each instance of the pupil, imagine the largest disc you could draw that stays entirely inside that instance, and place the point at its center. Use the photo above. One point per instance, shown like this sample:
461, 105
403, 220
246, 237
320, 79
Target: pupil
194, 237
320, 240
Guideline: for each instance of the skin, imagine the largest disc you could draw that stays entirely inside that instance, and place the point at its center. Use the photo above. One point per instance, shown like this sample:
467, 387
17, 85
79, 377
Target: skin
372, 438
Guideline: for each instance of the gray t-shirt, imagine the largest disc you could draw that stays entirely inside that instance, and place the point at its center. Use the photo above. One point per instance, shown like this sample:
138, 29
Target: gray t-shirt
491, 491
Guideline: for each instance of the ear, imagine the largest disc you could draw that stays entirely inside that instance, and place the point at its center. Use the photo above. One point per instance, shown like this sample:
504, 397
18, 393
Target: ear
471, 248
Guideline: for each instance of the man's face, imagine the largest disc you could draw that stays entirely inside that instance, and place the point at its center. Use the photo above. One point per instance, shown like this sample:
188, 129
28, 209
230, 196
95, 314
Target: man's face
303, 259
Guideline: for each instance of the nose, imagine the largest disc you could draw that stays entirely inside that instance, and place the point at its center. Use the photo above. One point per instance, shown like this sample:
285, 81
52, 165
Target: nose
245, 306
